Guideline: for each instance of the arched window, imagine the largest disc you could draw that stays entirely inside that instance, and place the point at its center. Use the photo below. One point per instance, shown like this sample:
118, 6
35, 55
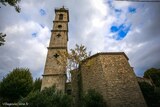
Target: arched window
61, 17
59, 26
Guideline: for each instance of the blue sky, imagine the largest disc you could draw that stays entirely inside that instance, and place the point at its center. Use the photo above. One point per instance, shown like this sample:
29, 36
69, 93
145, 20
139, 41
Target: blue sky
131, 10
42, 12
101, 25
120, 31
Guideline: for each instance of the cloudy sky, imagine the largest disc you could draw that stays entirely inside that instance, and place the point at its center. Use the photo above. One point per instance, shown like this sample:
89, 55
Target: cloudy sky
100, 25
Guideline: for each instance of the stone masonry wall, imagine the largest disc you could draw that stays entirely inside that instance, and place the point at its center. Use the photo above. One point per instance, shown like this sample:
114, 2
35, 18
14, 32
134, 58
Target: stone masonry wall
51, 80
75, 87
111, 75
92, 76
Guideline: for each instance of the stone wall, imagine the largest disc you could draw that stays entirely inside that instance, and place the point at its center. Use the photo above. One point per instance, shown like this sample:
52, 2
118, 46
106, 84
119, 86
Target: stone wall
59, 40
55, 65
57, 80
65, 15
111, 75
75, 87
63, 24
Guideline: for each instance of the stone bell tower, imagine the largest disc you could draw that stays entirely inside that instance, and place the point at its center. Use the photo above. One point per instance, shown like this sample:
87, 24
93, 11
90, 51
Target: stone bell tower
55, 67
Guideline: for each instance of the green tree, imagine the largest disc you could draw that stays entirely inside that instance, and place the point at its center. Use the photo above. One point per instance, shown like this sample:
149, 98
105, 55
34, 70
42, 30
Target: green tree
13, 3
75, 56
93, 99
2, 38
49, 97
154, 75
152, 98
37, 84
16, 84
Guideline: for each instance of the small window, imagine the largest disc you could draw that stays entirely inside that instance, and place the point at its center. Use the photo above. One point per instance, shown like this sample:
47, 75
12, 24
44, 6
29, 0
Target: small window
61, 17
59, 26
56, 55
59, 35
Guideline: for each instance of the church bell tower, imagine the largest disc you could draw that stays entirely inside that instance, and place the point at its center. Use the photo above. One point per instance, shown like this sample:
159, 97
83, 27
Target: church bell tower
55, 70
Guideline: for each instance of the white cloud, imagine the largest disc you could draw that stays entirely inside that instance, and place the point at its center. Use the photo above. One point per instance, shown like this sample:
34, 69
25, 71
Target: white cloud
90, 22
22, 50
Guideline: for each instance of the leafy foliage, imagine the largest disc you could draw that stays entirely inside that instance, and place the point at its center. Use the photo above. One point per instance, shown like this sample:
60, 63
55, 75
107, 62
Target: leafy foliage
154, 75
2, 40
93, 99
76, 55
152, 98
16, 84
37, 84
13, 3
49, 97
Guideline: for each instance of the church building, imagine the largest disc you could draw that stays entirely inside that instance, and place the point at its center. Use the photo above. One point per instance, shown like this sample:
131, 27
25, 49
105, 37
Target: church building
108, 73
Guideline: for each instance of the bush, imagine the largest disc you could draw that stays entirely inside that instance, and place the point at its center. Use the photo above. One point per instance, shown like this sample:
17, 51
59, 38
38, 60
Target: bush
150, 95
93, 99
49, 97
153, 74
37, 84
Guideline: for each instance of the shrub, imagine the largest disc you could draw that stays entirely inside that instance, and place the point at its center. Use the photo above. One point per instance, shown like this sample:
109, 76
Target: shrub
93, 99
37, 84
49, 97
151, 96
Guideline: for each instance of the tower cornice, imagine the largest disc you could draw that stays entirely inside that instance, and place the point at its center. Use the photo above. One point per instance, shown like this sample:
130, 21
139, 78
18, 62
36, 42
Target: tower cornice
59, 21
59, 30
57, 47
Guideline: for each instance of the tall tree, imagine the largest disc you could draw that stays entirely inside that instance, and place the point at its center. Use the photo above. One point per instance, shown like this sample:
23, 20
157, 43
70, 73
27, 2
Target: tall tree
13, 3
152, 98
16, 84
2, 38
154, 75
75, 56
37, 84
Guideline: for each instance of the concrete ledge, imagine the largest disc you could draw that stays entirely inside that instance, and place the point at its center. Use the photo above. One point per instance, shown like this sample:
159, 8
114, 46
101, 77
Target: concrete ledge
57, 47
